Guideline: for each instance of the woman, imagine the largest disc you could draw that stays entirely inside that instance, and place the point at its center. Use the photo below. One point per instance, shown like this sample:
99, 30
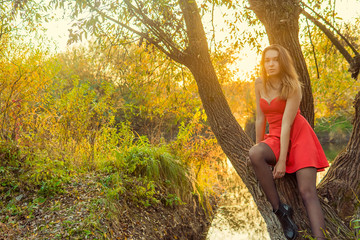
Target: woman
291, 145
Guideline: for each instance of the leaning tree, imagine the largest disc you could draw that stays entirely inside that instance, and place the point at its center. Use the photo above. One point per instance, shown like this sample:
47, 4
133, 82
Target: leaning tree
175, 28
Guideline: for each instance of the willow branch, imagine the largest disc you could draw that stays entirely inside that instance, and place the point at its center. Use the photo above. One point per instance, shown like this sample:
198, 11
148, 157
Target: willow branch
178, 27
332, 26
313, 48
330, 35
175, 56
153, 26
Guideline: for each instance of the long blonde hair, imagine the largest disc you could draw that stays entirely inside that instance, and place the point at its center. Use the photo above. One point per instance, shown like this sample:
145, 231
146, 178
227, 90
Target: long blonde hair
289, 78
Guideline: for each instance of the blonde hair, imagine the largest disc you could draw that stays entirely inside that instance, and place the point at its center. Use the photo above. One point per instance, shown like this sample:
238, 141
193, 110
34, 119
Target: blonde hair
289, 78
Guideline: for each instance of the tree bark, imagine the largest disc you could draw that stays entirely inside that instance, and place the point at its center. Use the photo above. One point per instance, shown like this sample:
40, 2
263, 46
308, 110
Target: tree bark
340, 187
281, 21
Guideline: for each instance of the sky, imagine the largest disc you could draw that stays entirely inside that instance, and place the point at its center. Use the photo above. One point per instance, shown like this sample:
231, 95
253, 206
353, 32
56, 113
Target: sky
57, 33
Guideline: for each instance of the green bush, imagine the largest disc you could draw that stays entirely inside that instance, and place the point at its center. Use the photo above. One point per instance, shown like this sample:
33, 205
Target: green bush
12, 165
49, 175
333, 124
158, 165
30, 172
146, 174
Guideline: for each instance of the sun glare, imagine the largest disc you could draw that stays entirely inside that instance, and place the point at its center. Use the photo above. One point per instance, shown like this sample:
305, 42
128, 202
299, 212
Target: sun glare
58, 31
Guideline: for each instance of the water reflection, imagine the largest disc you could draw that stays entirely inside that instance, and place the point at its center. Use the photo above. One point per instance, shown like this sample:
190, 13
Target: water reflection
237, 216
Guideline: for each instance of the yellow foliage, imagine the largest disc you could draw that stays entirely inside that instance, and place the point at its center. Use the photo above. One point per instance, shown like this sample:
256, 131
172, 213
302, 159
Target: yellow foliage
24, 76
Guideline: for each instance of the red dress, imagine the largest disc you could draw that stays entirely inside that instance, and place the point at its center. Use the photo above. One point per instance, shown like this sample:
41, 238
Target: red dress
304, 147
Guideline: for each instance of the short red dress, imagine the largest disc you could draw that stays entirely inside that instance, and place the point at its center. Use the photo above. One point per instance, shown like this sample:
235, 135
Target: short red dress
304, 147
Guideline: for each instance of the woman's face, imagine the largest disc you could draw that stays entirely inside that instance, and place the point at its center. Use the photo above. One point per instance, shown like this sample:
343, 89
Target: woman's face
271, 63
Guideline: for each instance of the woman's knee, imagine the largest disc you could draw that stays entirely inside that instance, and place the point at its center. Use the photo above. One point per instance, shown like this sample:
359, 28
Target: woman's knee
307, 193
256, 155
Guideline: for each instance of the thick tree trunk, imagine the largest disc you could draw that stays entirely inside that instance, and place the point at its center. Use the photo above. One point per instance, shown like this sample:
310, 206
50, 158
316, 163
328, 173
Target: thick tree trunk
340, 187
280, 18
231, 137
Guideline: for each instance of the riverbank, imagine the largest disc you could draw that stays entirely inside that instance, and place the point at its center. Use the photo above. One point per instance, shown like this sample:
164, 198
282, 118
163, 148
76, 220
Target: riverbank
144, 193
83, 211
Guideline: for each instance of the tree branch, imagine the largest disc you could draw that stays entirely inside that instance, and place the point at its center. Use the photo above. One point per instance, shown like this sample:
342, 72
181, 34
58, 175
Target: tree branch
151, 24
332, 26
174, 54
313, 48
354, 62
330, 35
178, 27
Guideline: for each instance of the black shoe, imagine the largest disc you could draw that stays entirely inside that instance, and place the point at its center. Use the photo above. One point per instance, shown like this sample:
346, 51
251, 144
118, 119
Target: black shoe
284, 214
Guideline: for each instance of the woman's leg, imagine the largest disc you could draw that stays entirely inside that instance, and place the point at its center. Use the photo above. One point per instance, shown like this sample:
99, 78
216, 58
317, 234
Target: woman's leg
261, 156
306, 179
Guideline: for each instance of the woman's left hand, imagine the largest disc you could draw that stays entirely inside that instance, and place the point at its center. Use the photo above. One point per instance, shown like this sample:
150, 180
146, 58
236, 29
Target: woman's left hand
279, 169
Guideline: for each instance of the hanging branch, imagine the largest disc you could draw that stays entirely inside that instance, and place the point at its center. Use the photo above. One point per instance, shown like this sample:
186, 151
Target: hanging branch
313, 48
333, 12
330, 35
354, 62
152, 26
213, 25
174, 53
332, 26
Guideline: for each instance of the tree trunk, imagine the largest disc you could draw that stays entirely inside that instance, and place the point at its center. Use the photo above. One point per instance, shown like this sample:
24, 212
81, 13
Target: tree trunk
280, 18
340, 187
231, 137
229, 134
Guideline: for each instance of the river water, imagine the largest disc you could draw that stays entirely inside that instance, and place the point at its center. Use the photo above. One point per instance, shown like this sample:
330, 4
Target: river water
237, 216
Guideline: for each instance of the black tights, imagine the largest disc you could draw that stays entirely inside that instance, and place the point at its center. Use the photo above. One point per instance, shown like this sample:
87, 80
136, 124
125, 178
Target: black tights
261, 156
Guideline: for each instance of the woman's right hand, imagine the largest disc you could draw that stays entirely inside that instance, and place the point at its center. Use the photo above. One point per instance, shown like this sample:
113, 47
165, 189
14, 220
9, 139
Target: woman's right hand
279, 169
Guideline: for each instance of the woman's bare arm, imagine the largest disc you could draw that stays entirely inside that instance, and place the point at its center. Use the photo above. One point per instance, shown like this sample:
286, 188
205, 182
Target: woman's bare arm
291, 108
260, 122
